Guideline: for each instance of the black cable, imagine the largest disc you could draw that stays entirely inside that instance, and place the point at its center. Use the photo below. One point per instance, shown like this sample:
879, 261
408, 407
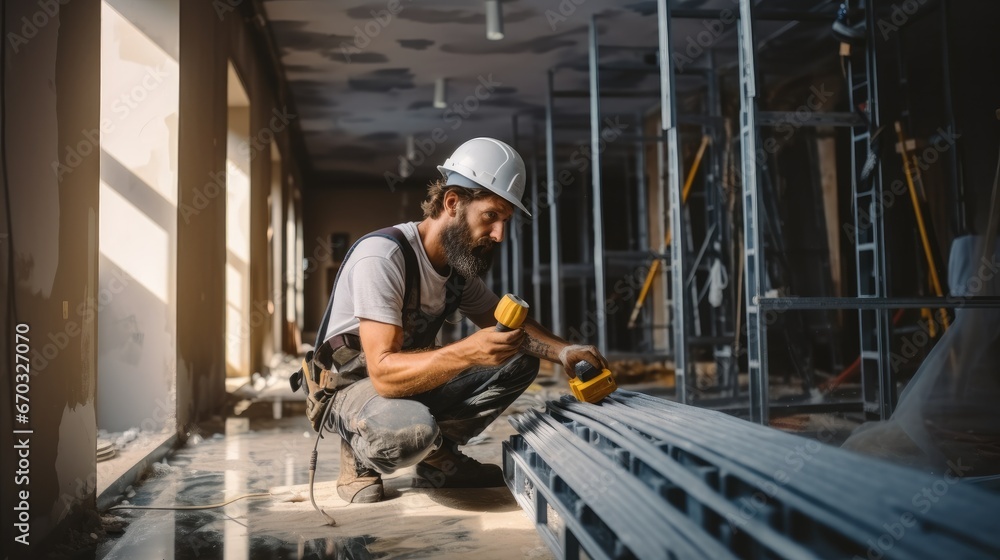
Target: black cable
207, 506
312, 464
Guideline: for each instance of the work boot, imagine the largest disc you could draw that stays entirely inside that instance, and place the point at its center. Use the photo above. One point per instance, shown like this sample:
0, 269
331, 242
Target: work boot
357, 484
447, 467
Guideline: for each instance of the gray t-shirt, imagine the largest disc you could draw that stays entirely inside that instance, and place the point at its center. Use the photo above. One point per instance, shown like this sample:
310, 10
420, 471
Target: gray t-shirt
371, 286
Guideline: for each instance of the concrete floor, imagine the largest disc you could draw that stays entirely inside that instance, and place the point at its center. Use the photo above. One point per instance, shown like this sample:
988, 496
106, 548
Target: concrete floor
272, 456
253, 452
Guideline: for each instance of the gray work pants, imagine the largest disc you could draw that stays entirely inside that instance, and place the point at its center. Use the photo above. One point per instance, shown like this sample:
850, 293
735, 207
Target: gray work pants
389, 434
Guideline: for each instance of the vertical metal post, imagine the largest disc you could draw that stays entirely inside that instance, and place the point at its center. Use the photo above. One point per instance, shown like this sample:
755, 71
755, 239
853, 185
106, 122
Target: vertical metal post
661, 212
515, 235
595, 150
555, 281
877, 388
586, 250
754, 250
536, 242
668, 121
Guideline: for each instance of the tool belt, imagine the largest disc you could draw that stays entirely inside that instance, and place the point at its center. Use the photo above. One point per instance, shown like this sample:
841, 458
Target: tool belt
337, 363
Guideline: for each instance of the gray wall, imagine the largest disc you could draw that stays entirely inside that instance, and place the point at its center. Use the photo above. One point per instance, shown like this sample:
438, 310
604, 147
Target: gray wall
51, 89
60, 284
208, 40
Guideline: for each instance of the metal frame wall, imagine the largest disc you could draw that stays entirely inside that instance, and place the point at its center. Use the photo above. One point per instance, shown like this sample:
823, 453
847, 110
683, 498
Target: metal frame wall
598, 207
671, 131
596, 261
873, 302
753, 252
878, 394
756, 281
721, 327
679, 309
555, 275
877, 387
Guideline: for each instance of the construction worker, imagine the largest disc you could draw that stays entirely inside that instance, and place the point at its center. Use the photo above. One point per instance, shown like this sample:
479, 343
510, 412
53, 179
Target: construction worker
399, 398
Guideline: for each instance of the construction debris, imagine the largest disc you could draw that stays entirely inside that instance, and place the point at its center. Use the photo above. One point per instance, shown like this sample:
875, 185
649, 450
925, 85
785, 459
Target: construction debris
638, 371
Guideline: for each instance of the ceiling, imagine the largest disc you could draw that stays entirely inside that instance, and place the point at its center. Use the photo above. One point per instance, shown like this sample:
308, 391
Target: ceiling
363, 79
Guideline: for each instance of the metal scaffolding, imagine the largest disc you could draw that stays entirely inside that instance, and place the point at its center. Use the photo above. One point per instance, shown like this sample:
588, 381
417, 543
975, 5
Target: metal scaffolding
555, 274
595, 150
877, 387
689, 255
671, 131
753, 251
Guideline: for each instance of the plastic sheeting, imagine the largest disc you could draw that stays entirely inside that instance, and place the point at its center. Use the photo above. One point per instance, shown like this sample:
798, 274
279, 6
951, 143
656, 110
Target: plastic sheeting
948, 417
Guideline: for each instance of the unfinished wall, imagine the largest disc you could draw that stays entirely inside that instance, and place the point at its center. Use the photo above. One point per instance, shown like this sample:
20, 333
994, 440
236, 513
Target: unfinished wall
201, 234
113, 238
51, 160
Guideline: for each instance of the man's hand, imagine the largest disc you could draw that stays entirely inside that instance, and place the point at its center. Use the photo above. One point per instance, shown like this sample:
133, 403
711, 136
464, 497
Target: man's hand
490, 347
575, 353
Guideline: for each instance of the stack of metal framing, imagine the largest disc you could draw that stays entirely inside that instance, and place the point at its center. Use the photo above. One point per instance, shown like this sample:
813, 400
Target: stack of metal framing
641, 477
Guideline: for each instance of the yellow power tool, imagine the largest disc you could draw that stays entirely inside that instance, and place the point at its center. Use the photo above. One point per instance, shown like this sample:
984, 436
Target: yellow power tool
510, 313
590, 384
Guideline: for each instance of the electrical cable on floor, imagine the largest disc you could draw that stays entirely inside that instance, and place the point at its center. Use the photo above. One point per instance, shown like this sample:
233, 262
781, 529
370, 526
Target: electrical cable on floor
209, 506
312, 498
312, 466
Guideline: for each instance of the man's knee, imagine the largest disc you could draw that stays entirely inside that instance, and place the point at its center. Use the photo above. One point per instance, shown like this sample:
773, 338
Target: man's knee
400, 435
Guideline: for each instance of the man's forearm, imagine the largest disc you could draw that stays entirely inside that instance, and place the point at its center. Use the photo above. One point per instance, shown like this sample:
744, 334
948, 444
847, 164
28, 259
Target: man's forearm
401, 374
396, 373
541, 342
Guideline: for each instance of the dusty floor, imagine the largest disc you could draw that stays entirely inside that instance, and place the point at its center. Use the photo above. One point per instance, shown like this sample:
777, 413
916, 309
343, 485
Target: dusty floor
273, 457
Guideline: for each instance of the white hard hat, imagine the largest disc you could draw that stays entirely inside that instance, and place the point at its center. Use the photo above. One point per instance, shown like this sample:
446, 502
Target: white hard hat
487, 163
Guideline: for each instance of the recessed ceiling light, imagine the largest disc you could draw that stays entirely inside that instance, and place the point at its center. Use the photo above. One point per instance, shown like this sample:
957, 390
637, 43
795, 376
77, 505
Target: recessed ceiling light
405, 167
439, 94
411, 147
494, 20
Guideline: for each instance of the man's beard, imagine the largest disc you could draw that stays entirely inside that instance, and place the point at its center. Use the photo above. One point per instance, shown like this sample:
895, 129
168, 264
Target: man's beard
469, 257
